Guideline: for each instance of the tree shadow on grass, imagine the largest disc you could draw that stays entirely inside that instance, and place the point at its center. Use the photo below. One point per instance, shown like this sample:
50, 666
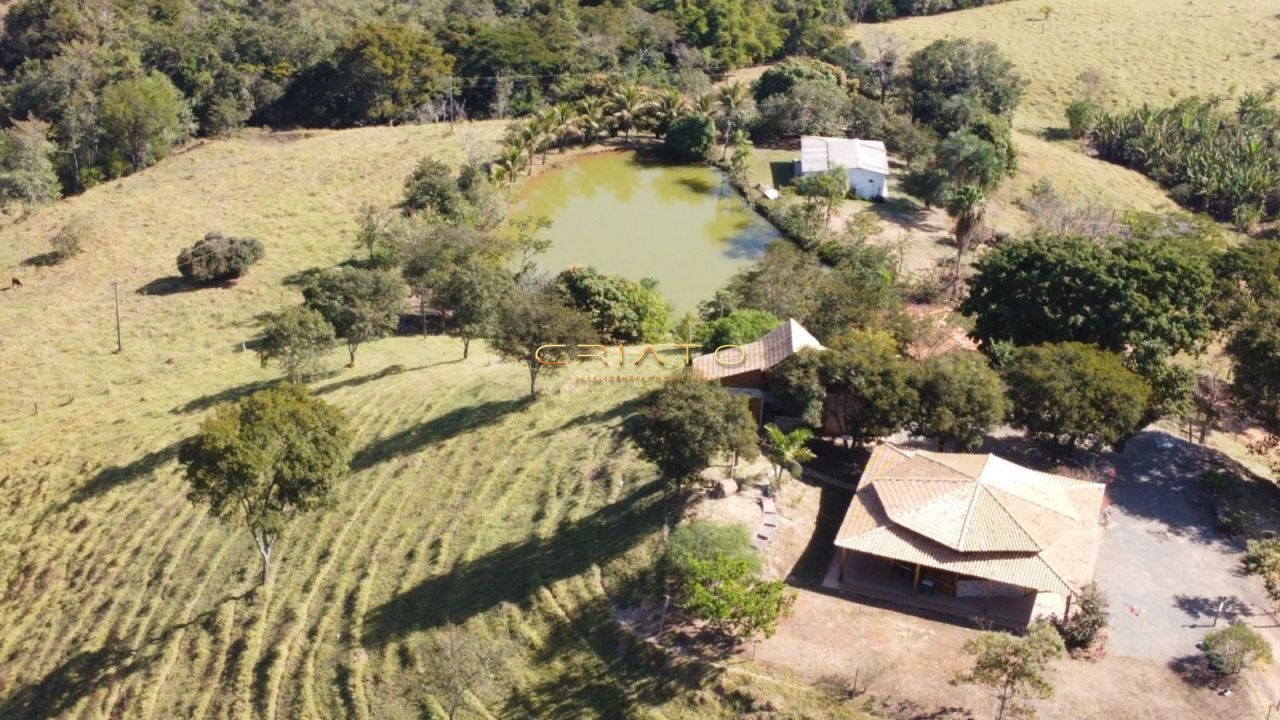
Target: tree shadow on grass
171, 285
1195, 671
513, 572
114, 476
610, 671
48, 259
75, 679
62, 688
225, 395
437, 429
623, 412
385, 372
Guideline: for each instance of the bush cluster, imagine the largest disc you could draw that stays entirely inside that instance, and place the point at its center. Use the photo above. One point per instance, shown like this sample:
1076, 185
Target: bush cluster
219, 258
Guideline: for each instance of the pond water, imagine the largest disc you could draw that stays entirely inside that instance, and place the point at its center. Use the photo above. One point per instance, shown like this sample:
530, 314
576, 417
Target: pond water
682, 225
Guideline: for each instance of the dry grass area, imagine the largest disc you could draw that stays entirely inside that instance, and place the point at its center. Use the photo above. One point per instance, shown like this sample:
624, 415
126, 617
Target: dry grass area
906, 662
1143, 50
466, 505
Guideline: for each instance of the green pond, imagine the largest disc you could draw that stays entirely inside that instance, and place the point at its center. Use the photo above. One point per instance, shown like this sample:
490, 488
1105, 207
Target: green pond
682, 225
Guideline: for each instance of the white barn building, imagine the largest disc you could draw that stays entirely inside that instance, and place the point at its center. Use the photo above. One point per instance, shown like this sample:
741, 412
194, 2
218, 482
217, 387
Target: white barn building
865, 160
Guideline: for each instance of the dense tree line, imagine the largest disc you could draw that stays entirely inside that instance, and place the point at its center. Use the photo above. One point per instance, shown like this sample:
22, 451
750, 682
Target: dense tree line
121, 84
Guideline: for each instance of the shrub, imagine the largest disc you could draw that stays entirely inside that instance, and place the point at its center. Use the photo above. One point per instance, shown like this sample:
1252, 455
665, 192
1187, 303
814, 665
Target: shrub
219, 258
70, 239
737, 328
706, 540
295, 339
1081, 117
1236, 648
1084, 627
736, 601
690, 138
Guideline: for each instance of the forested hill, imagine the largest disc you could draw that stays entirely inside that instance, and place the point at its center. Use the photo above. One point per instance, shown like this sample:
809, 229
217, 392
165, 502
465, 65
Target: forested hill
120, 83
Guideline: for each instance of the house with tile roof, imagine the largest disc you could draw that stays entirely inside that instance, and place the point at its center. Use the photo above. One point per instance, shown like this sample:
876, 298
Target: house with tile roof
968, 535
742, 371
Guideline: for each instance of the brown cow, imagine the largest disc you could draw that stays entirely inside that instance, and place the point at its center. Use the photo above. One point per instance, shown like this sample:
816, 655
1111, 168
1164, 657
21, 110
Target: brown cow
15, 283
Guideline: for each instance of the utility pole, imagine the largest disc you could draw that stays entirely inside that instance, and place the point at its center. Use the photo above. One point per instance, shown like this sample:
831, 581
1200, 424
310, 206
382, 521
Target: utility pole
451, 104
115, 291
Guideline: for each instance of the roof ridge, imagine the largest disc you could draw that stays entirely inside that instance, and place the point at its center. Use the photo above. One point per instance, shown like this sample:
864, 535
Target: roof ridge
934, 457
996, 498
968, 515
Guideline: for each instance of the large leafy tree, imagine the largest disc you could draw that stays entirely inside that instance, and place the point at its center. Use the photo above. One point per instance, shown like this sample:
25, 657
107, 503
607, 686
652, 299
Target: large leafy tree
868, 384
621, 310
1070, 395
737, 602
535, 317
27, 174
737, 328
1254, 347
1115, 294
683, 426
142, 119
381, 72
961, 399
361, 305
732, 32
266, 459
952, 72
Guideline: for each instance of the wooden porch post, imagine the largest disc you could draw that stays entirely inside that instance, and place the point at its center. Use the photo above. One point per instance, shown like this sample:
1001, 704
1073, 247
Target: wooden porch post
915, 584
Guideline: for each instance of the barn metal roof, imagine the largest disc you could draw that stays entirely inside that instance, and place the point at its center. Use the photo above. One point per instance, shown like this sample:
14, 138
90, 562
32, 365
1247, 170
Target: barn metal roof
818, 154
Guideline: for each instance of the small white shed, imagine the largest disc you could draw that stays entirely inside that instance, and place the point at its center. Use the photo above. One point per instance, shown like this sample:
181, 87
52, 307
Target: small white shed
866, 161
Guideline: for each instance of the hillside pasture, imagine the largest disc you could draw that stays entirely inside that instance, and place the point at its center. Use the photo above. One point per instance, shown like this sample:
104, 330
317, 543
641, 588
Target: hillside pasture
523, 524
1141, 50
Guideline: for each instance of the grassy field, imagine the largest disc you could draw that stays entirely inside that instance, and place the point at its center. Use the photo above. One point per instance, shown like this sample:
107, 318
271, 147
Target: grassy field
1143, 50
522, 523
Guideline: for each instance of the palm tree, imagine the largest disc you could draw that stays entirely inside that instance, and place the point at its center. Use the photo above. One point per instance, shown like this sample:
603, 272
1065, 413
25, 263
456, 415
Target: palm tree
591, 118
563, 121
787, 450
966, 206
510, 162
530, 140
705, 104
666, 109
626, 105
732, 100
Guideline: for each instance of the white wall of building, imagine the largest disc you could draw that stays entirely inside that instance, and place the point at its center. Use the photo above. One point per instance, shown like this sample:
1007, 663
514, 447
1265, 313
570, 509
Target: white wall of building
867, 184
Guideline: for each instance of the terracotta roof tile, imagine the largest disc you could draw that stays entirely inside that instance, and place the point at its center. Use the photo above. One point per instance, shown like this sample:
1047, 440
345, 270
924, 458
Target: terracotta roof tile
995, 519
779, 344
